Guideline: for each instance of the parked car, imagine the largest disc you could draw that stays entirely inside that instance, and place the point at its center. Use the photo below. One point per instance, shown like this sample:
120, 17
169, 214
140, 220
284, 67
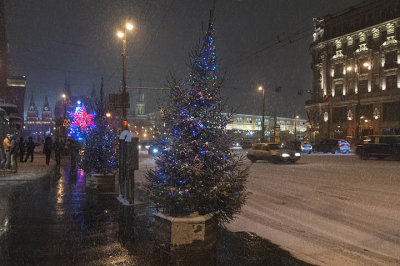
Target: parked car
379, 146
302, 146
272, 152
236, 145
246, 143
332, 146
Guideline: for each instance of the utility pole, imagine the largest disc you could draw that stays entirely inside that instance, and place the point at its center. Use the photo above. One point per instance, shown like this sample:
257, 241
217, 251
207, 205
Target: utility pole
125, 95
262, 138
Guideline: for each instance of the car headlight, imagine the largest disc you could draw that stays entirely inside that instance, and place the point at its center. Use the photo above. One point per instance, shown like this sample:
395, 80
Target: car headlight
285, 155
155, 150
297, 154
139, 147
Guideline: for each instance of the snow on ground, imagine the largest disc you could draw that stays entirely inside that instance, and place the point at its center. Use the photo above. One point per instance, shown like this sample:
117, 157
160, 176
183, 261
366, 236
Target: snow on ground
326, 209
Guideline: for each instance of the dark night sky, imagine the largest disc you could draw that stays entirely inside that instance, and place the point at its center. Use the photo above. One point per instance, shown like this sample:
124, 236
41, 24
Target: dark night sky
50, 40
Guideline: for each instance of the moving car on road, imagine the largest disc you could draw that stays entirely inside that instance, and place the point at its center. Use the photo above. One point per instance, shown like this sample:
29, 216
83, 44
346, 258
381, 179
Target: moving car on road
332, 146
154, 149
272, 152
379, 146
145, 144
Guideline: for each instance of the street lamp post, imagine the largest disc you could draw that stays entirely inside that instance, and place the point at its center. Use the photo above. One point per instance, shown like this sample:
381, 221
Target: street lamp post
64, 96
262, 139
295, 127
358, 107
122, 35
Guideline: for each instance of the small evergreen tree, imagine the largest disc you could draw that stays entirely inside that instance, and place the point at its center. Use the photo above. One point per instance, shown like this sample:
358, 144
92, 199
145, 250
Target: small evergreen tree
100, 143
196, 171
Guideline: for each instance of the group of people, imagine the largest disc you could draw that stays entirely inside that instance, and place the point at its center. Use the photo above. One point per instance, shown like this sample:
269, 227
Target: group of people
25, 150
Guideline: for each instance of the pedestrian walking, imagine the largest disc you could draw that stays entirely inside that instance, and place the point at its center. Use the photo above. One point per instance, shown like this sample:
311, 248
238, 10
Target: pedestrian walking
6, 147
58, 147
14, 153
47, 148
30, 148
21, 145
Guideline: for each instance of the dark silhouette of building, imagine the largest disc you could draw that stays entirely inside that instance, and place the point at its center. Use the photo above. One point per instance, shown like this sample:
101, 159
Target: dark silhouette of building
12, 88
3, 51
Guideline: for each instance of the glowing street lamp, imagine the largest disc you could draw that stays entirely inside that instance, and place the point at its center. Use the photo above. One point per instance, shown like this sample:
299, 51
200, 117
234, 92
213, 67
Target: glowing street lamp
108, 115
122, 35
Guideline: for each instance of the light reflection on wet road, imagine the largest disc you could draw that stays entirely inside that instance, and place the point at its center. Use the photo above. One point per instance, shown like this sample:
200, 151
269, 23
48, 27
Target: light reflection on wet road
60, 221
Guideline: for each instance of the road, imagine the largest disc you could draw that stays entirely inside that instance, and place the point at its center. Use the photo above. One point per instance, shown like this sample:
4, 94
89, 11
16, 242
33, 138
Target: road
327, 209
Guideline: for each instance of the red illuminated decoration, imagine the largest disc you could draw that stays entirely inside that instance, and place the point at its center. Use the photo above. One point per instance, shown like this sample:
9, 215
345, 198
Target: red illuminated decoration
81, 122
82, 119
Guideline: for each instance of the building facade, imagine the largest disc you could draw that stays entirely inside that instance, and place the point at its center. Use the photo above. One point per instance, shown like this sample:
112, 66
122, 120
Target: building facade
356, 77
36, 126
242, 125
286, 128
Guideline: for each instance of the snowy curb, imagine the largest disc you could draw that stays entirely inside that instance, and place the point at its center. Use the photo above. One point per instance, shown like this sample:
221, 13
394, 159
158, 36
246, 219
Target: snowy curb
123, 201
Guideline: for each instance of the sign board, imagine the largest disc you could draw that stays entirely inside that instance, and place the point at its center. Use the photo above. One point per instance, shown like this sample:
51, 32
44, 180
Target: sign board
67, 123
119, 100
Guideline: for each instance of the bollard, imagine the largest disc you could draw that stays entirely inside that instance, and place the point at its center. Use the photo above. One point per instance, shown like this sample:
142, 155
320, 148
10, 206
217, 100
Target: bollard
122, 163
129, 162
132, 158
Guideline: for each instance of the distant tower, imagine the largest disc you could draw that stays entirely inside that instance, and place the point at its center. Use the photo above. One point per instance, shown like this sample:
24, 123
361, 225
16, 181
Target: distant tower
67, 88
93, 92
32, 113
46, 112
140, 103
3, 53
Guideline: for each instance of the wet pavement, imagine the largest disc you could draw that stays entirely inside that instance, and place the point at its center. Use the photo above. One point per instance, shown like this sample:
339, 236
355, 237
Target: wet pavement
60, 221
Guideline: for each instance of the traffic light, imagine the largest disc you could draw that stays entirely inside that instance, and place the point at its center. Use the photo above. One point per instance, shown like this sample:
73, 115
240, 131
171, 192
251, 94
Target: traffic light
124, 124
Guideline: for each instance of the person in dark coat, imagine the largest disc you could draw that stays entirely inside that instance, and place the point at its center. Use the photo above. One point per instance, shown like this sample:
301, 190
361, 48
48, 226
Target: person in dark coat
74, 151
30, 148
58, 147
21, 146
47, 148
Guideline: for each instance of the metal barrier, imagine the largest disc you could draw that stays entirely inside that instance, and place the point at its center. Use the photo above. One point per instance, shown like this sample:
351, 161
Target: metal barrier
128, 163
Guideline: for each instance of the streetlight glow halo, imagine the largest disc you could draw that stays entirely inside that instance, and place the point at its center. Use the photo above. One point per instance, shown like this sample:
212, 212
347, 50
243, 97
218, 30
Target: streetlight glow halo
120, 34
129, 26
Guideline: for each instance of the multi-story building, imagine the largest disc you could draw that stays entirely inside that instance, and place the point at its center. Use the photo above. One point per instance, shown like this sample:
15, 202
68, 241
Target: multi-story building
12, 88
39, 127
250, 126
244, 125
356, 78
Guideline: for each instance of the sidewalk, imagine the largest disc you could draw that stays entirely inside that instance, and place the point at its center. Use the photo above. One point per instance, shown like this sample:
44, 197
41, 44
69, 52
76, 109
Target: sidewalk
26, 172
10, 181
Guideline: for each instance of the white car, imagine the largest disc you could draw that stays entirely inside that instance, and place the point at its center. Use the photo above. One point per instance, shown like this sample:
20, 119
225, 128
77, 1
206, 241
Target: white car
272, 152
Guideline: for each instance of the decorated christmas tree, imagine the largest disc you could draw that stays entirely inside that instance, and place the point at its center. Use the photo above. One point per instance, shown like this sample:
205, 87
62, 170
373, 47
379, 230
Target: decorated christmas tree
81, 121
99, 153
196, 172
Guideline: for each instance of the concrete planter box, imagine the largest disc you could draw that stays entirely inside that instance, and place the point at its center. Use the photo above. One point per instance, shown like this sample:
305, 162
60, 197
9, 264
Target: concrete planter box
103, 183
185, 238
